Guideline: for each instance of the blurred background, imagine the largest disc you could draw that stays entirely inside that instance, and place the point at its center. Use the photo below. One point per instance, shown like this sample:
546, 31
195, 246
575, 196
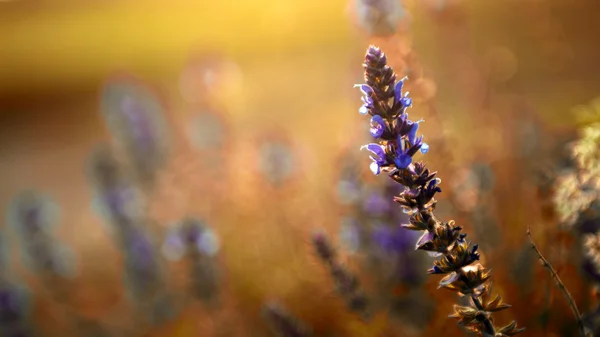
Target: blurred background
250, 130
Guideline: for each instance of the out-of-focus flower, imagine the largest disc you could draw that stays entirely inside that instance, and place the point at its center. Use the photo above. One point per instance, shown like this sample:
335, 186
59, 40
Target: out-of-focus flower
4, 256
134, 116
591, 247
144, 277
117, 198
191, 236
33, 217
379, 17
276, 161
124, 208
350, 234
193, 239
209, 76
577, 190
347, 284
349, 187
282, 323
141, 262
14, 310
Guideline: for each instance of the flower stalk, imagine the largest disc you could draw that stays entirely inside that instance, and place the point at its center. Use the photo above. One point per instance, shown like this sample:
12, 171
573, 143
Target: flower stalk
396, 143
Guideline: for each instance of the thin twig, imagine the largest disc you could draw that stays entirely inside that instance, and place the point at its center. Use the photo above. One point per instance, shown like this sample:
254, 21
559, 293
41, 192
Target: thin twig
560, 284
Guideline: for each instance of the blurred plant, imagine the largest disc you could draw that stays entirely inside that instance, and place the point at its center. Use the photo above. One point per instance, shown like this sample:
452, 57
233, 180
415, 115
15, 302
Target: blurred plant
282, 323
14, 310
124, 209
193, 240
120, 184
371, 229
134, 117
34, 218
207, 131
275, 161
347, 283
576, 198
577, 191
393, 153
379, 17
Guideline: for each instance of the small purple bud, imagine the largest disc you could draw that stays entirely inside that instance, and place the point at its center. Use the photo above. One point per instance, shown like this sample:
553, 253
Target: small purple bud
424, 148
402, 161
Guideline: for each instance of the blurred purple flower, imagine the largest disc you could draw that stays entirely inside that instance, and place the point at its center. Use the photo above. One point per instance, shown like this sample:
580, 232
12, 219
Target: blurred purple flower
135, 118
276, 161
393, 239
14, 310
379, 17
376, 204
140, 252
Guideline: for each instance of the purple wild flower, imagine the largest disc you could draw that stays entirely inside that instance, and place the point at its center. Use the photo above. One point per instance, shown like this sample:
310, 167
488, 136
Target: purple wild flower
378, 126
378, 157
393, 153
135, 118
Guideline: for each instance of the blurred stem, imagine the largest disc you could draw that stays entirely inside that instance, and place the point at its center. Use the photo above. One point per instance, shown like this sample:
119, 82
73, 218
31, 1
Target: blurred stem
560, 284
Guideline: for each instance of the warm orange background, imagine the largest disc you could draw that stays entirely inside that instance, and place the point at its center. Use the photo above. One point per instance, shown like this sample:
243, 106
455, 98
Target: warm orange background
490, 65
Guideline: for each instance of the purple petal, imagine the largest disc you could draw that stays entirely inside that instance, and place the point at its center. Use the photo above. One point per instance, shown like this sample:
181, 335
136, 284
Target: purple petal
367, 90
427, 236
412, 134
424, 148
398, 90
402, 161
377, 126
377, 150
